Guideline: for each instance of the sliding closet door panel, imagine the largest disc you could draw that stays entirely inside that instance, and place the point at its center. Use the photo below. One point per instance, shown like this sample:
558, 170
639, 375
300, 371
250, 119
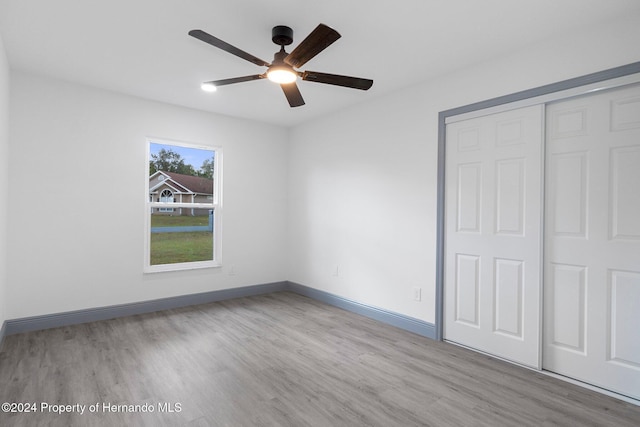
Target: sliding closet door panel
493, 234
592, 240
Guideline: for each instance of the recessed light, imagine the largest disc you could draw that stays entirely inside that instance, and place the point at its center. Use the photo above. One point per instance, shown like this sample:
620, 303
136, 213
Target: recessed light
208, 87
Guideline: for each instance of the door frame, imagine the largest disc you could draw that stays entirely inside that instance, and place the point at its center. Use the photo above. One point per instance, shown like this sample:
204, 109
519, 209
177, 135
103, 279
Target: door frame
607, 79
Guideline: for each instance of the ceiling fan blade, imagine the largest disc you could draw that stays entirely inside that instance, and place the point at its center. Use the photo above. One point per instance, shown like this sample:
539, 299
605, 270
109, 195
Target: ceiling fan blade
293, 94
319, 39
220, 44
334, 79
233, 80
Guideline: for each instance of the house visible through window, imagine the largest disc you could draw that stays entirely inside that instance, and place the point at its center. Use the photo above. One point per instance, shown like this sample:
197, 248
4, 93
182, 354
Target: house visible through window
183, 206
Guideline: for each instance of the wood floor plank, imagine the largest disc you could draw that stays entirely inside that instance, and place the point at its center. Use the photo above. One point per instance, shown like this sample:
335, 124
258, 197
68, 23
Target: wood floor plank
279, 360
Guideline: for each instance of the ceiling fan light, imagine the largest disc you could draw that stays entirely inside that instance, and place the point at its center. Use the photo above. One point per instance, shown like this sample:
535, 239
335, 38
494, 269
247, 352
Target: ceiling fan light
281, 75
208, 87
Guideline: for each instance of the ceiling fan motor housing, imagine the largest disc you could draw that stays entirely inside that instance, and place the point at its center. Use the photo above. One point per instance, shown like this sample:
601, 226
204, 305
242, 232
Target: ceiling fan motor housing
282, 35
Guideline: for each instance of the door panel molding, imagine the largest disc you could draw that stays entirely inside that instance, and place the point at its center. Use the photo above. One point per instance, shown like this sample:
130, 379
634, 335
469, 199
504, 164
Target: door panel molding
493, 296
622, 209
619, 75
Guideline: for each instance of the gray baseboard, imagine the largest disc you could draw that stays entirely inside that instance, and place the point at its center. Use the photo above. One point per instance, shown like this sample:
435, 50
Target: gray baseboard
55, 320
401, 321
36, 323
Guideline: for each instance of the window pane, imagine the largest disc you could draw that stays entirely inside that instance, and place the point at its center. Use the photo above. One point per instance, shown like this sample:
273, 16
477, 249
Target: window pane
181, 238
183, 173
180, 176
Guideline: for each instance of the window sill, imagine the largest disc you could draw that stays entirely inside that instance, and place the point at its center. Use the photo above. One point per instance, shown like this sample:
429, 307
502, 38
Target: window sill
183, 266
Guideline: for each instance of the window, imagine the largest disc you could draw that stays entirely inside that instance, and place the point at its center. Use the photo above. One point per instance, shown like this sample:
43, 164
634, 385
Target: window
166, 197
183, 208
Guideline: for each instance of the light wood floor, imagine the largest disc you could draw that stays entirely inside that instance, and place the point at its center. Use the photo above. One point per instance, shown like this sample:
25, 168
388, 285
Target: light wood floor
280, 360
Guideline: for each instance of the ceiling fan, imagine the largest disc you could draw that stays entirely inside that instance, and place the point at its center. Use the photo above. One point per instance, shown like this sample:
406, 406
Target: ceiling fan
283, 68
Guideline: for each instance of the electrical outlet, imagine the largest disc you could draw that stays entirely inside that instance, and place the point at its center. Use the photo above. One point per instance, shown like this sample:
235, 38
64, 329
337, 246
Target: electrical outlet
232, 270
417, 294
336, 271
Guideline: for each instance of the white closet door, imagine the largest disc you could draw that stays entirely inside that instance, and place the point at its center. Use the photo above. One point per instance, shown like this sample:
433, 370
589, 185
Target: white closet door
592, 240
493, 234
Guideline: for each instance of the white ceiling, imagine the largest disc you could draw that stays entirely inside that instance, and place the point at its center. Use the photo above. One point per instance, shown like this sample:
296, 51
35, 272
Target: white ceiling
141, 47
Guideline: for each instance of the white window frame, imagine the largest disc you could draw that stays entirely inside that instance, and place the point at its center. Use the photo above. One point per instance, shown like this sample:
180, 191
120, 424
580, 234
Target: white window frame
215, 204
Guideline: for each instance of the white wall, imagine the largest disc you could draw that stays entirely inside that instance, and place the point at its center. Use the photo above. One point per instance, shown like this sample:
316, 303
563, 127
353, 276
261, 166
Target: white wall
4, 177
362, 183
361, 186
77, 188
